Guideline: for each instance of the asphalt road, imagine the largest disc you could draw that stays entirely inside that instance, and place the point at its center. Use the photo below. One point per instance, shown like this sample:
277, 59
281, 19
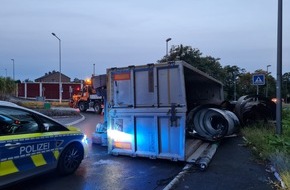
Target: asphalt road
232, 167
101, 171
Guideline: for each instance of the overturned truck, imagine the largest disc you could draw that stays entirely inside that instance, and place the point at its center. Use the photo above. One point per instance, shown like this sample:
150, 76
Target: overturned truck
164, 110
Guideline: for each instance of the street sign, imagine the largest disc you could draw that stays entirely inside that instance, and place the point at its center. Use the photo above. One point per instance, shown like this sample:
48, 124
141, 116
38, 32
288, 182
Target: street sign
258, 79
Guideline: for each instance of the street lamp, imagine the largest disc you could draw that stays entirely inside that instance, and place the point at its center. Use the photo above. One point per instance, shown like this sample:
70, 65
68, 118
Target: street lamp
94, 69
13, 69
167, 40
279, 70
267, 80
235, 87
286, 81
60, 86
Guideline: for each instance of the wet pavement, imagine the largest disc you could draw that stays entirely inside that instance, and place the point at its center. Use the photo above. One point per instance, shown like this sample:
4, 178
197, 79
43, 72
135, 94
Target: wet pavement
70, 120
233, 167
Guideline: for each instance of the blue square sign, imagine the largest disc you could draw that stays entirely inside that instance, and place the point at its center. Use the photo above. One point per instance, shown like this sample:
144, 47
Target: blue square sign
258, 79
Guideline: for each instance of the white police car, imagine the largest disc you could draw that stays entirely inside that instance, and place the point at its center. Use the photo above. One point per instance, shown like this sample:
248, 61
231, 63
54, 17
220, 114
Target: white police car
32, 143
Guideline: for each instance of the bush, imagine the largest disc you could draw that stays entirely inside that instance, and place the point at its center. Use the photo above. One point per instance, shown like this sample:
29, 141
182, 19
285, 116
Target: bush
31, 104
57, 112
39, 106
7, 87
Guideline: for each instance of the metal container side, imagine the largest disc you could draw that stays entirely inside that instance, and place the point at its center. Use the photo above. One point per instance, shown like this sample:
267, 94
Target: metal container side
148, 104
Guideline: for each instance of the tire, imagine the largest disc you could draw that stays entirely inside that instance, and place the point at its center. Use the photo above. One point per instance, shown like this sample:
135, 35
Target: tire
82, 106
98, 107
70, 159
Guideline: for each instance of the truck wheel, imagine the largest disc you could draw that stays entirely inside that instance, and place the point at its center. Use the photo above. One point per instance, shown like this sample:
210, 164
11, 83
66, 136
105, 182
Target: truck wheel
70, 159
98, 107
82, 107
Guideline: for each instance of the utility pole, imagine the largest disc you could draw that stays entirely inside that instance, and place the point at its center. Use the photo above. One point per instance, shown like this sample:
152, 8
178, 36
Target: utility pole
13, 69
267, 80
167, 40
60, 85
279, 70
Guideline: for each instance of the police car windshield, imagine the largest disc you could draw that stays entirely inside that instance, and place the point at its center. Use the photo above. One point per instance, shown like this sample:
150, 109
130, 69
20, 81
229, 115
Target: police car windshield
5, 119
15, 114
16, 121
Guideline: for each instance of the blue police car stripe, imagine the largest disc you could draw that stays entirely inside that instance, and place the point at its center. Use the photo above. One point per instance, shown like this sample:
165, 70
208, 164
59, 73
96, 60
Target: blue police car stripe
24, 163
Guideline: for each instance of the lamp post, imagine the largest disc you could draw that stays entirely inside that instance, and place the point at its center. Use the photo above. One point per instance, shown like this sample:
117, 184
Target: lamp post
279, 70
267, 80
167, 40
60, 85
235, 90
13, 69
94, 69
286, 81
235, 87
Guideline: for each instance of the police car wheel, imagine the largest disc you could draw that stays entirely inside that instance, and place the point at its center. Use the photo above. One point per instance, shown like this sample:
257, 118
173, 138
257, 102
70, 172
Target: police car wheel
70, 159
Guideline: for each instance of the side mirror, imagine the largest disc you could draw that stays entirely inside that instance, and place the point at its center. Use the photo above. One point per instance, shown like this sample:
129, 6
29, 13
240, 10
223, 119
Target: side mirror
46, 126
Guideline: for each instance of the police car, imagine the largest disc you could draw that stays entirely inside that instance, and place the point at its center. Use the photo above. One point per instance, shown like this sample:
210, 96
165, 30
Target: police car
32, 143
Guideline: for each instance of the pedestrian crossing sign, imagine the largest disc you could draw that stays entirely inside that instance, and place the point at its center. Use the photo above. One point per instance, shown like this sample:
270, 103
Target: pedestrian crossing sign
258, 79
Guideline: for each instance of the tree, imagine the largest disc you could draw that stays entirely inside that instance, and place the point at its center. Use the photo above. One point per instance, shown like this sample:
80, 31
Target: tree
7, 87
271, 81
231, 86
193, 56
245, 86
285, 86
28, 80
237, 82
76, 80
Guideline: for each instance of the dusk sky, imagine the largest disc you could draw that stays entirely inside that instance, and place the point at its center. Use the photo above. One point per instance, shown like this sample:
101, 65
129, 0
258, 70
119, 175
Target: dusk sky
119, 33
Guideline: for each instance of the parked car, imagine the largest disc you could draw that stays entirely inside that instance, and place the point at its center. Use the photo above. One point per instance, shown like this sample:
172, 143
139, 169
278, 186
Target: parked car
32, 143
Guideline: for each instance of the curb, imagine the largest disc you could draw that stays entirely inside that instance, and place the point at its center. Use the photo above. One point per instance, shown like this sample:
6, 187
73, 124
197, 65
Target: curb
201, 159
277, 176
177, 178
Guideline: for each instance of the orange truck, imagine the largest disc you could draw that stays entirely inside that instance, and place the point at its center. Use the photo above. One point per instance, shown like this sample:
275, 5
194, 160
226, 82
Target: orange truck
91, 95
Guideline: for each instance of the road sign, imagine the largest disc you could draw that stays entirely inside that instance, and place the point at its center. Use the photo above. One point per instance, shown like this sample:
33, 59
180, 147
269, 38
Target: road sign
258, 79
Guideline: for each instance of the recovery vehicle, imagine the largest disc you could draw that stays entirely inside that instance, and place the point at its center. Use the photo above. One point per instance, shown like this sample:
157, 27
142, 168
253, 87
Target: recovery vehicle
90, 95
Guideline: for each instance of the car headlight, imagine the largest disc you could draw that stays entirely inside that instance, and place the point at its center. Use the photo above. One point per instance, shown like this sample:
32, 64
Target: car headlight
85, 139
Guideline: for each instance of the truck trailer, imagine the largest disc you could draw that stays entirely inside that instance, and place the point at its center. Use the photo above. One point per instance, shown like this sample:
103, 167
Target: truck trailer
147, 108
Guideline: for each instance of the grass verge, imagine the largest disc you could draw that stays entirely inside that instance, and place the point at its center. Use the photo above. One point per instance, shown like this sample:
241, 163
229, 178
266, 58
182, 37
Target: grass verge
272, 147
40, 105
58, 113
42, 108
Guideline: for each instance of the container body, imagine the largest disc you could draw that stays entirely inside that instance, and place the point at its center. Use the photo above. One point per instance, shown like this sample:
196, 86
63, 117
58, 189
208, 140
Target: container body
148, 105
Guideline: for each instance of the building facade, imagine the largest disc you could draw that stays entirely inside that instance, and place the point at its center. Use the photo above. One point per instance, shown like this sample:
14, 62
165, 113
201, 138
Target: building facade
53, 77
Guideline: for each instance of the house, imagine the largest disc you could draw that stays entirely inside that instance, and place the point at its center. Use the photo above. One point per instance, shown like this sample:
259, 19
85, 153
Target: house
52, 77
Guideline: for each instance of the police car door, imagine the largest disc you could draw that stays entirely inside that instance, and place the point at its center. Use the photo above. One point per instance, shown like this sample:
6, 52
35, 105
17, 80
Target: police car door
25, 147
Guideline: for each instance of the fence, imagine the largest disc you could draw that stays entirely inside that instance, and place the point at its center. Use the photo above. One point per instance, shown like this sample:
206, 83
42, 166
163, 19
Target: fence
46, 90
